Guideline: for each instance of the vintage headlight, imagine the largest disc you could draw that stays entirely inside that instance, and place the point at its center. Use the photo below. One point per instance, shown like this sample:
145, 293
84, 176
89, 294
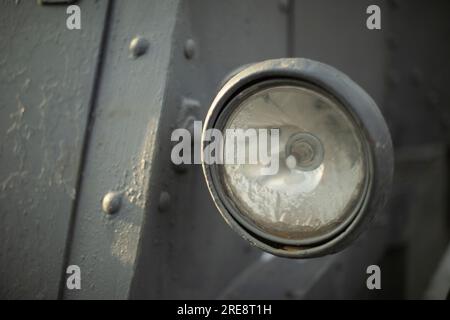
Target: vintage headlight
334, 157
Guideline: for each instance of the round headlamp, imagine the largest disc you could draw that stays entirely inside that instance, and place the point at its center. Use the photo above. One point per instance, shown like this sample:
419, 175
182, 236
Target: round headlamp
316, 157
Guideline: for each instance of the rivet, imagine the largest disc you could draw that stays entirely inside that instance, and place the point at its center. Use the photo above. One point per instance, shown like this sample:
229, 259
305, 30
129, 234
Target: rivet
111, 202
189, 49
138, 46
164, 201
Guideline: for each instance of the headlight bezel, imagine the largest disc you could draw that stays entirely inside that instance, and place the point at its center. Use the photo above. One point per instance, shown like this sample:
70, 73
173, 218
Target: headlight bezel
364, 113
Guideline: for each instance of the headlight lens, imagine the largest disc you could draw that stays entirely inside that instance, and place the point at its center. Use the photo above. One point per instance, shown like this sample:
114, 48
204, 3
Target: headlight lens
334, 157
322, 164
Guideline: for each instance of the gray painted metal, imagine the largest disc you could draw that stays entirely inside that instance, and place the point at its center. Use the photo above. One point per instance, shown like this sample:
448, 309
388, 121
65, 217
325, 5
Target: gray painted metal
439, 288
319, 278
70, 135
123, 148
334, 33
189, 243
420, 224
46, 81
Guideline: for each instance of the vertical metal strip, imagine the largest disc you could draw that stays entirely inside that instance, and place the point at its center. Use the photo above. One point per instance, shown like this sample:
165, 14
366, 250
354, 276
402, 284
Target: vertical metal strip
85, 148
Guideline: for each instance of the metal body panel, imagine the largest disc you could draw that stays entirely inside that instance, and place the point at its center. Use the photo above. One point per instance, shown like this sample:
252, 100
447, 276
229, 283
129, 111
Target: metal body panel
319, 278
189, 243
418, 73
334, 32
422, 177
46, 81
122, 148
74, 129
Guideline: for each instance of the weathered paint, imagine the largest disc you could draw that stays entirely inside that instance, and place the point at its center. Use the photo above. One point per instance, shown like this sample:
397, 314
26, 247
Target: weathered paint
122, 148
46, 82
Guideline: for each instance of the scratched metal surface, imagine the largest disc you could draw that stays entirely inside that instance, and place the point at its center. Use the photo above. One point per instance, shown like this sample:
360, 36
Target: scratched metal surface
46, 81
